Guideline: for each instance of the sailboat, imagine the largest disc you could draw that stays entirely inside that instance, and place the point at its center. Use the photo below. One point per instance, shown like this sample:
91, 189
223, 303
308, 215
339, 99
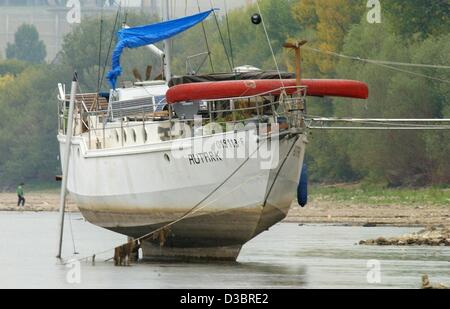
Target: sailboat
208, 161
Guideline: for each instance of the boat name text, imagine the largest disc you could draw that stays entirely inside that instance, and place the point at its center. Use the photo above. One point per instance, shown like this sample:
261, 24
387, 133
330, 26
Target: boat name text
204, 157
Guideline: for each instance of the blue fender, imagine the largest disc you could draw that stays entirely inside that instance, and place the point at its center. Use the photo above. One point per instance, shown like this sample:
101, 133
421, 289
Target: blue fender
302, 189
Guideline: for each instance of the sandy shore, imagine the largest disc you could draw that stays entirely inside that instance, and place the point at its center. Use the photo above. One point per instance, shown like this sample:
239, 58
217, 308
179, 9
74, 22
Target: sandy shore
354, 214
35, 201
315, 212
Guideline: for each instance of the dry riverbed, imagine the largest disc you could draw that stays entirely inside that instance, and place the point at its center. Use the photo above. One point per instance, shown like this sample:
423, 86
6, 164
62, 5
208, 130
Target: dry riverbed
317, 211
370, 215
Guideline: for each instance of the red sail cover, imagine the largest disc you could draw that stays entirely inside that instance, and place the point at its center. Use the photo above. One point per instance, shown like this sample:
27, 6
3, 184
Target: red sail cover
244, 88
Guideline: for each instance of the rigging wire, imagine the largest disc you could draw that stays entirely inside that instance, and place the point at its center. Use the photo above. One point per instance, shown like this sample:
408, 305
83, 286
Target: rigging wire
387, 64
431, 66
423, 128
414, 73
125, 17
110, 45
221, 35
268, 41
100, 50
173, 6
229, 32
314, 122
206, 38
71, 233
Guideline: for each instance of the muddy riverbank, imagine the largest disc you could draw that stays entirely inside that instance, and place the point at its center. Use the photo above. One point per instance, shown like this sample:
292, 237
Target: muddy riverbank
317, 211
431, 236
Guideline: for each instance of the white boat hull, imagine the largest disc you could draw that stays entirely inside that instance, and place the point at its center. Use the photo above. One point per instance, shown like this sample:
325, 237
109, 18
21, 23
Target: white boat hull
137, 189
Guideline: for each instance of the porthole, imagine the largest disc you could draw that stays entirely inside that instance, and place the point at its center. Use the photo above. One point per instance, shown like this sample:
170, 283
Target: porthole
134, 135
124, 136
117, 136
166, 156
145, 135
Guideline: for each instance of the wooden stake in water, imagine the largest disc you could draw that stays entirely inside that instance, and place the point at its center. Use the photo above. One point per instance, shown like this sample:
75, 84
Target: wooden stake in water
69, 132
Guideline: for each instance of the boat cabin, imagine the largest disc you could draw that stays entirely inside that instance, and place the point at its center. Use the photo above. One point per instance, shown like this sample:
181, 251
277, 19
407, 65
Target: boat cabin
143, 114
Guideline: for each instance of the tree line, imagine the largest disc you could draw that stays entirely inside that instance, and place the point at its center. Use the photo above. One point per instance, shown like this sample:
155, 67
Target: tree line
411, 31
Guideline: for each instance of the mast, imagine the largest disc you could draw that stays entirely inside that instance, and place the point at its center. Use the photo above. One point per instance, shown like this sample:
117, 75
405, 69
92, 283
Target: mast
167, 43
69, 133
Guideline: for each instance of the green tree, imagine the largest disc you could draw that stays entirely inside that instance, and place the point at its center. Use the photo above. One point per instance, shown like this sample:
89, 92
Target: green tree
396, 158
331, 20
28, 145
418, 17
27, 46
12, 67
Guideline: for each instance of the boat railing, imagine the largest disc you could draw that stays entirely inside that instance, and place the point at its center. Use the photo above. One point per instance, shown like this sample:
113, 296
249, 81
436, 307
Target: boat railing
283, 106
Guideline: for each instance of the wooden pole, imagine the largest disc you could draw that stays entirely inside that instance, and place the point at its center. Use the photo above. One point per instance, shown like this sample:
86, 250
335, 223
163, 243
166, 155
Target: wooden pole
296, 46
298, 63
65, 166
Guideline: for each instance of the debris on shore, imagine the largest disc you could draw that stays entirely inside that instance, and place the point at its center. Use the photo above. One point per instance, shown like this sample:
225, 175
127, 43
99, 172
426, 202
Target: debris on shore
432, 236
426, 284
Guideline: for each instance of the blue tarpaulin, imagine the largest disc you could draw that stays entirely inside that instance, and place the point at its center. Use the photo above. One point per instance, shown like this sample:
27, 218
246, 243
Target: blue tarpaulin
149, 34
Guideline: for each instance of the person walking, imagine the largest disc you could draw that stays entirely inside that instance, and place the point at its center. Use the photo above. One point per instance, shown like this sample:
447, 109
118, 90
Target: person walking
20, 195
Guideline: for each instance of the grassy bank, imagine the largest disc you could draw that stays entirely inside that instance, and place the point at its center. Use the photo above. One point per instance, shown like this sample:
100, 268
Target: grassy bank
372, 195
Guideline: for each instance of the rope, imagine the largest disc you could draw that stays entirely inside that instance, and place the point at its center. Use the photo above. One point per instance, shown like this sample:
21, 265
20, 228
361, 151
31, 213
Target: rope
221, 36
194, 209
268, 41
387, 64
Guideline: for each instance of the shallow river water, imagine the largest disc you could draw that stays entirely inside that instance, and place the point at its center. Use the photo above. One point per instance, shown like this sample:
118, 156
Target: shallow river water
286, 256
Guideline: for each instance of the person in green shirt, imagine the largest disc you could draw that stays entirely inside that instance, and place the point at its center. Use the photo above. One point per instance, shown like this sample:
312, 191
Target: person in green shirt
20, 195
